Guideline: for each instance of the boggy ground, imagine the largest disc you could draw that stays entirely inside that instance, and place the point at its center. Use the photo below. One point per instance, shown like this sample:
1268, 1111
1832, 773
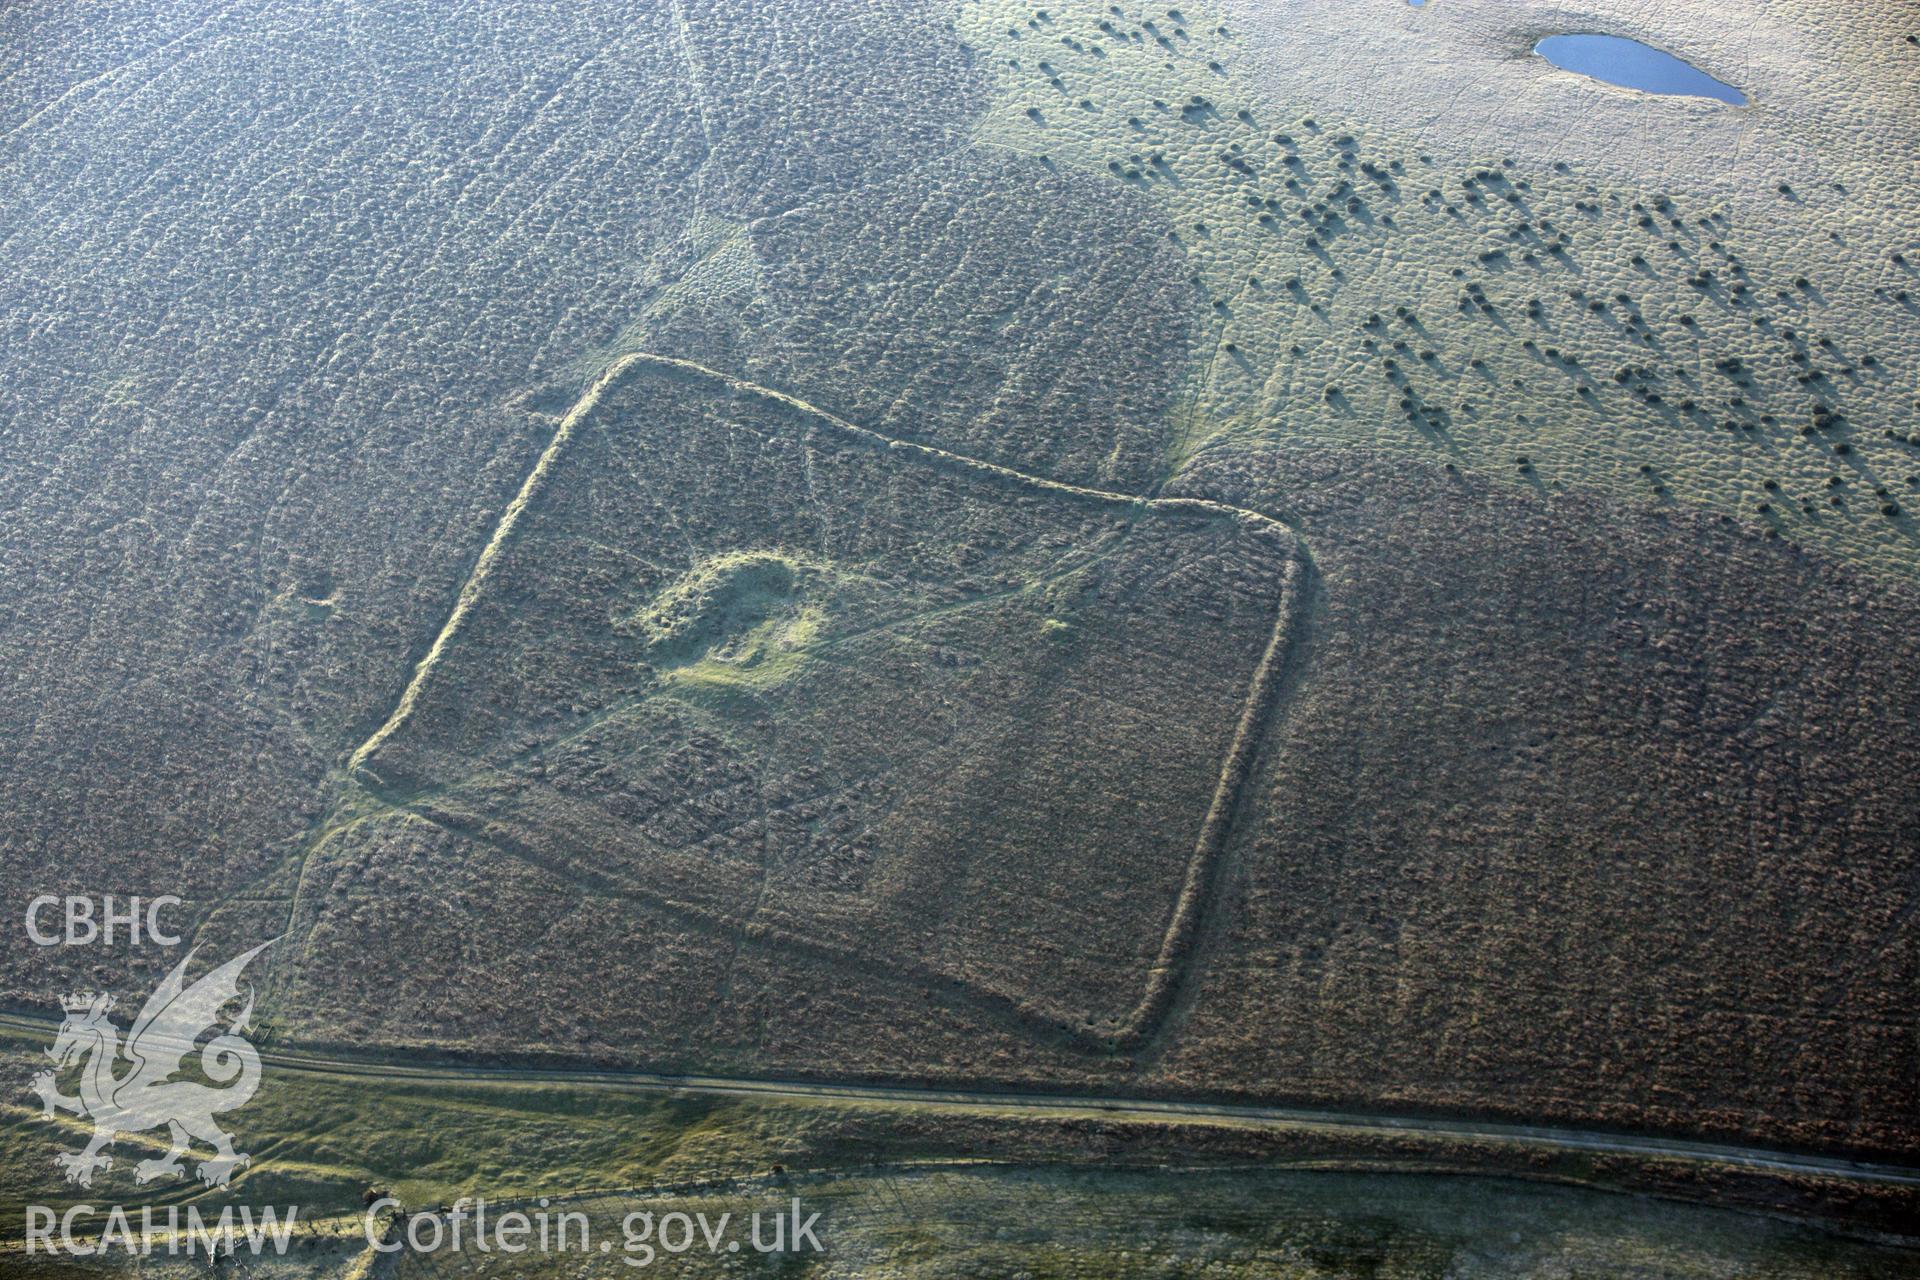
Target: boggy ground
1410, 233
1590, 796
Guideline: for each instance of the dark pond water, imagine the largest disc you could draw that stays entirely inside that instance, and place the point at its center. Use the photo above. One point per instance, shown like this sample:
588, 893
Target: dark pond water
1633, 65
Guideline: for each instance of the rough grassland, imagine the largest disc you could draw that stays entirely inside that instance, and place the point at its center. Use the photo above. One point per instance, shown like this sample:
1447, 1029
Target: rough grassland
924, 1192
1054, 1224
1591, 792
586, 665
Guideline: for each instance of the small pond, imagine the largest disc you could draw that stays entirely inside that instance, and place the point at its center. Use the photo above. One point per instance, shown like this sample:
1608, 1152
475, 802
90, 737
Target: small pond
1632, 65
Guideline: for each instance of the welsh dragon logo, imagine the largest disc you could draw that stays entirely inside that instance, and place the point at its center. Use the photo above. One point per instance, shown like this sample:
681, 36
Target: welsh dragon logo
144, 1095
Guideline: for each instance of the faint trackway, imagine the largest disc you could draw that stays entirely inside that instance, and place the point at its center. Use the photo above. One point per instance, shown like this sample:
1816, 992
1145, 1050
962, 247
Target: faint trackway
1115, 1109
1146, 1021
